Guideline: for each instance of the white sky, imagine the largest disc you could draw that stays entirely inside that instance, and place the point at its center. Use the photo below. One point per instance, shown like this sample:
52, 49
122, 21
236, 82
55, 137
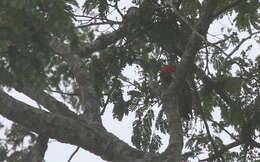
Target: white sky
58, 152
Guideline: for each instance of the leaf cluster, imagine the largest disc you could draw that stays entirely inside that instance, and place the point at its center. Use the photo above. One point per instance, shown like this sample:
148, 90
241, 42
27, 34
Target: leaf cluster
16, 144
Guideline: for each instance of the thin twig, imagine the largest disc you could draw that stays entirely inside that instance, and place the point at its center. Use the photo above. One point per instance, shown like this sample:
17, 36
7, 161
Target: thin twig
220, 126
108, 22
231, 5
185, 20
118, 10
73, 154
240, 43
255, 144
63, 93
224, 149
205, 122
222, 40
105, 106
207, 60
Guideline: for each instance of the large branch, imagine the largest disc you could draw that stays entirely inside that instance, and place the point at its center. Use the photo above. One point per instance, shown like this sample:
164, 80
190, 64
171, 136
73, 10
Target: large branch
171, 107
103, 41
107, 39
88, 96
191, 49
193, 45
66, 130
37, 151
42, 98
47, 101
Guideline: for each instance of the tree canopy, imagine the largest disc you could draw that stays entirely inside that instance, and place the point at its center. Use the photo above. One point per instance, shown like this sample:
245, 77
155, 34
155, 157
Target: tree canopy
77, 51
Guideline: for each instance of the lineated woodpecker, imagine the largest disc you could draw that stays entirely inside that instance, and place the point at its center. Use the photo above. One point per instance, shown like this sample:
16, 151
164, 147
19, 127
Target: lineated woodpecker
185, 97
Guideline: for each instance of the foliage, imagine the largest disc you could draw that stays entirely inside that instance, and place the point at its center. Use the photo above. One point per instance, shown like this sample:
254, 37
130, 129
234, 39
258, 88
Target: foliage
12, 149
157, 37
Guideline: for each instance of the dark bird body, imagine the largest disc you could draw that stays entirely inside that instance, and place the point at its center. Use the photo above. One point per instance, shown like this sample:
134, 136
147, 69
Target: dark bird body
185, 97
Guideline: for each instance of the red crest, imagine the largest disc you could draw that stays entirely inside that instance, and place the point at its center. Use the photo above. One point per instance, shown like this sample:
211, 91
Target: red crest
167, 69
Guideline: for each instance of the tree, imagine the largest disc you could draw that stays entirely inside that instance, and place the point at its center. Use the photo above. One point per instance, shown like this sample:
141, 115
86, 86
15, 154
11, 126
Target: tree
47, 49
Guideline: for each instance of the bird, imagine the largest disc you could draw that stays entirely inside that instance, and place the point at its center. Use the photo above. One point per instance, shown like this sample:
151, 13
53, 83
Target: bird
185, 97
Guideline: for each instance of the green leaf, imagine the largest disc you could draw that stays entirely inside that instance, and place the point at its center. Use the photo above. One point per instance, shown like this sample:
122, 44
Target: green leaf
16, 134
155, 143
120, 109
231, 84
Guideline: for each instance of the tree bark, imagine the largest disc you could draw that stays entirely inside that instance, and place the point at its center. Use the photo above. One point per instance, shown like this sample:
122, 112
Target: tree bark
90, 133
